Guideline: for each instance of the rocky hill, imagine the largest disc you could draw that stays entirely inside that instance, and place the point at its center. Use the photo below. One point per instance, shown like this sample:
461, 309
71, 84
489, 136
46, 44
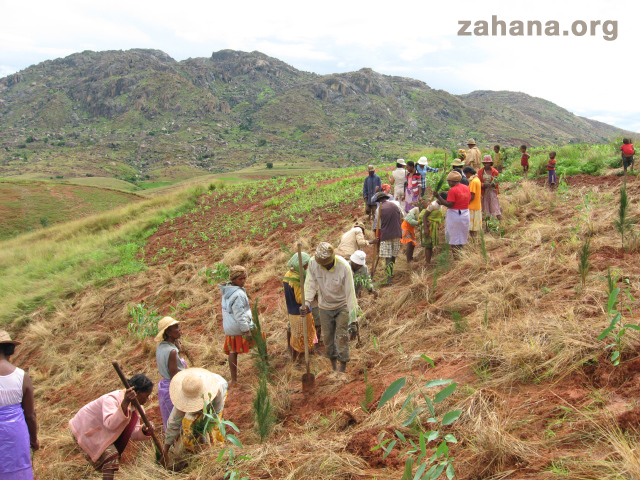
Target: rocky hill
140, 114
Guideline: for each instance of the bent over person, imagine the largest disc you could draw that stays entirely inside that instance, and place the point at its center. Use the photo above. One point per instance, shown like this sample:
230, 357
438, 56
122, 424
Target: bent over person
329, 275
103, 428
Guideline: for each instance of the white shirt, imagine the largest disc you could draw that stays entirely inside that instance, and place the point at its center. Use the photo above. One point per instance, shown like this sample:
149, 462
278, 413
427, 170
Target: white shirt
11, 388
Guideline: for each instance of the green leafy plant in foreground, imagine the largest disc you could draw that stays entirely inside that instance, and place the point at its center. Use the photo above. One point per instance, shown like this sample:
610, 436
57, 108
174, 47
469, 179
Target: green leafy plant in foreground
583, 264
616, 331
429, 453
623, 223
145, 321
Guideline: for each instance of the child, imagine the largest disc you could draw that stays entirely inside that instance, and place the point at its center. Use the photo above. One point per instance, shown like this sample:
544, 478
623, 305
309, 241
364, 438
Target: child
524, 161
497, 158
237, 320
551, 168
627, 154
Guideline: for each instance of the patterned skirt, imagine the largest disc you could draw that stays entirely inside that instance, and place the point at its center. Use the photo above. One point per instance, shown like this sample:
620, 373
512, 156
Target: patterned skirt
237, 344
490, 204
408, 233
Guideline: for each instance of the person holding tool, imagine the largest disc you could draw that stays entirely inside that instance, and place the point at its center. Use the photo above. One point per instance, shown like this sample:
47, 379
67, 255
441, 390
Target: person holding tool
102, 429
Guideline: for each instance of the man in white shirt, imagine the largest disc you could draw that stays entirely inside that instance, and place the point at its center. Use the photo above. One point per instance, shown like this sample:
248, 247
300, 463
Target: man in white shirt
397, 179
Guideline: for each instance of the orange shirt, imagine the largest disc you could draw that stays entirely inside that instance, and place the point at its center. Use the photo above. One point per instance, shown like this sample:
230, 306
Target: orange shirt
475, 186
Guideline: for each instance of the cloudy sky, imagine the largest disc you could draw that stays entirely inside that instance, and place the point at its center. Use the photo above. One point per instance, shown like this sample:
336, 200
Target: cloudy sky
589, 75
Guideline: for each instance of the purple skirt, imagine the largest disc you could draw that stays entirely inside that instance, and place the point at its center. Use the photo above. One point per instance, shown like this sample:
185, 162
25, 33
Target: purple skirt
15, 453
164, 400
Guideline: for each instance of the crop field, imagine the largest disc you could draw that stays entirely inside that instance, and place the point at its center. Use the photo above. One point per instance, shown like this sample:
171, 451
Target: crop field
518, 360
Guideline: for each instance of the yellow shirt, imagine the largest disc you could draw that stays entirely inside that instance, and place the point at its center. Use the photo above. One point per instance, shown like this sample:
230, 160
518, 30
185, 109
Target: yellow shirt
497, 160
475, 186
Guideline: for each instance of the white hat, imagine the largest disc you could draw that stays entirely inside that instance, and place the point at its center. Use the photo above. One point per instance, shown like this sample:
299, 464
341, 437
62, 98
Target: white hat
190, 388
401, 161
423, 161
358, 257
433, 206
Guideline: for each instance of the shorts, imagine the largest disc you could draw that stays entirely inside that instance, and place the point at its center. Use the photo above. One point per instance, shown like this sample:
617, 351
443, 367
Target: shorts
390, 248
475, 220
627, 161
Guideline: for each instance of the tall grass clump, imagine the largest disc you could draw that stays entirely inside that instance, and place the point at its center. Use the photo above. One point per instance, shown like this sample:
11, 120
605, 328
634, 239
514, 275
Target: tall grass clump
623, 223
583, 264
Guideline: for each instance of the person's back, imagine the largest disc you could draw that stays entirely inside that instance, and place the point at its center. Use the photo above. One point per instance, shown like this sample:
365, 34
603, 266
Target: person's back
390, 221
11, 388
464, 180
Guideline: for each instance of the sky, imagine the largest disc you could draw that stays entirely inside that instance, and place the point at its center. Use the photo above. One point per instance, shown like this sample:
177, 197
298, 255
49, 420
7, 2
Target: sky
589, 75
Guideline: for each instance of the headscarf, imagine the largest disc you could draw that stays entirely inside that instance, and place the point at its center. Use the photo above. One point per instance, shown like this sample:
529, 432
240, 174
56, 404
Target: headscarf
293, 263
454, 176
236, 271
386, 188
324, 254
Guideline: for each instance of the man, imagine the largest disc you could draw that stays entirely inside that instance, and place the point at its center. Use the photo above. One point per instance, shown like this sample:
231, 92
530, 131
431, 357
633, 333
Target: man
390, 233
473, 155
475, 205
361, 277
354, 239
329, 275
397, 178
422, 168
371, 185
457, 165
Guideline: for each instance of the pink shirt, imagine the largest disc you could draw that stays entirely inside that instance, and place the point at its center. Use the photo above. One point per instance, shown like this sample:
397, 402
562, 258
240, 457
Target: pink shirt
99, 423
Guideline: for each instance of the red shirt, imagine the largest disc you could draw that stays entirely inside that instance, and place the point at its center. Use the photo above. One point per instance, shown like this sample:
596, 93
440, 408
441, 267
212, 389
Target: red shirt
627, 149
552, 164
460, 195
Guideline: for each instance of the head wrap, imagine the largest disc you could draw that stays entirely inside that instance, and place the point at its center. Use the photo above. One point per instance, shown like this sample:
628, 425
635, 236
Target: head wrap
454, 176
414, 211
293, 263
324, 254
386, 188
237, 271
358, 257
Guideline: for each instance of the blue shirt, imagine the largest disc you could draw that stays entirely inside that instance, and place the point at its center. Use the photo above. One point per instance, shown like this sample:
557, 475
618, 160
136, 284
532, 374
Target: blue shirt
369, 188
422, 170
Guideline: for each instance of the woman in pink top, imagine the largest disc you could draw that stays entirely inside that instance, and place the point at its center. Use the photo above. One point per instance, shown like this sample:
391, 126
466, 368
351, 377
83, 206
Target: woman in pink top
104, 427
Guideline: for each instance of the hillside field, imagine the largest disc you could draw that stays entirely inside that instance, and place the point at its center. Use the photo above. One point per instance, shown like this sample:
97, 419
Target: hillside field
513, 323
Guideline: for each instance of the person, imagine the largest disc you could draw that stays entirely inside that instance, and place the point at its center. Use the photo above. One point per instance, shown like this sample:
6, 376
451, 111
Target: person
473, 155
329, 276
431, 218
191, 391
423, 168
490, 189
293, 299
414, 187
408, 226
475, 205
102, 429
497, 158
390, 234
18, 425
551, 168
457, 219
361, 277
627, 154
457, 166
397, 178
353, 239
371, 185
237, 319
169, 362
524, 160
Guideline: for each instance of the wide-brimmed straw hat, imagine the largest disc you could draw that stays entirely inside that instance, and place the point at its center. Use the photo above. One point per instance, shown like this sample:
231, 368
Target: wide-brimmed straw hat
163, 324
471, 141
371, 168
190, 388
457, 163
5, 338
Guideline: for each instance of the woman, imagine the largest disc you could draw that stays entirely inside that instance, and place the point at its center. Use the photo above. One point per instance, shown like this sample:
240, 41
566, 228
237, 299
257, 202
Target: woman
457, 219
351, 241
293, 299
414, 187
18, 426
102, 429
397, 178
191, 390
237, 320
430, 219
490, 189
169, 363
409, 232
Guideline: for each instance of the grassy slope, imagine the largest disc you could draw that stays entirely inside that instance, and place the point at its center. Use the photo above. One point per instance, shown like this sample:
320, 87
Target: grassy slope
31, 205
537, 392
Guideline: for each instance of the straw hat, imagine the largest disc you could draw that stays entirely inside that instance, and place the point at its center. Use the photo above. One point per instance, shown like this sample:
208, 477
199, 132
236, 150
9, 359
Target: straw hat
423, 161
189, 388
358, 257
457, 163
163, 324
454, 176
471, 141
371, 168
5, 338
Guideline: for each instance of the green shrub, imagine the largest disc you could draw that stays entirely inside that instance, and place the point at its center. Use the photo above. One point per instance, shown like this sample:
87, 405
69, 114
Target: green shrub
145, 321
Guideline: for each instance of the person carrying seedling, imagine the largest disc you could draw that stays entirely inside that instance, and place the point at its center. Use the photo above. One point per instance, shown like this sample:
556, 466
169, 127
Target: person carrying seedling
371, 184
409, 238
430, 220
490, 189
390, 233
294, 301
414, 186
551, 168
524, 160
627, 154
237, 319
329, 275
423, 168
361, 277
198, 396
102, 429
169, 362
457, 220
473, 155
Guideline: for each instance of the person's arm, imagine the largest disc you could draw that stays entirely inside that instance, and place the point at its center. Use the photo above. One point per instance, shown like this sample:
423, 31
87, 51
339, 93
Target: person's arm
473, 195
115, 412
28, 406
174, 425
361, 242
240, 314
310, 286
431, 169
365, 190
442, 201
173, 363
350, 291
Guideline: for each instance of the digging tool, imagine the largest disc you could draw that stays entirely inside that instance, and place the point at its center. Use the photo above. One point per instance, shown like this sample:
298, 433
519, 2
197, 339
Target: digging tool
143, 415
377, 259
308, 379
